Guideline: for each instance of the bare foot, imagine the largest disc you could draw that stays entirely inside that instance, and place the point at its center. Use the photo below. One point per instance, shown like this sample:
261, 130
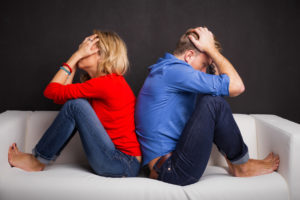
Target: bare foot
22, 160
255, 167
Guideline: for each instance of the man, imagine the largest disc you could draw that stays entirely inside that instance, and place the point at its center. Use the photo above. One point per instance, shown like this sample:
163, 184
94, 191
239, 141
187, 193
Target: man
176, 129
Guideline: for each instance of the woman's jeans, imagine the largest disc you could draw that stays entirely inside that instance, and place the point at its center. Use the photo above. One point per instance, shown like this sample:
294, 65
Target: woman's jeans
211, 122
103, 157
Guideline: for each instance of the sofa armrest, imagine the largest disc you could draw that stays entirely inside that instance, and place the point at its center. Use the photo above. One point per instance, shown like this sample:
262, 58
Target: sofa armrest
281, 136
12, 129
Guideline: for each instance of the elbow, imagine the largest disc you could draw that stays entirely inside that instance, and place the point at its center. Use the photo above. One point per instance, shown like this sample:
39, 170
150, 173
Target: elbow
237, 90
52, 92
47, 93
241, 89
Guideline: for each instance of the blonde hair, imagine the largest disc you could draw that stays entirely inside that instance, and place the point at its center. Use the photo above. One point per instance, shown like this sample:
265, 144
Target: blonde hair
113, 53
185, 44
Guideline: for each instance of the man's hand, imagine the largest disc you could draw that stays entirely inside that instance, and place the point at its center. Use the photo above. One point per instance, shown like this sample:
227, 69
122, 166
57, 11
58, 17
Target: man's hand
206, 42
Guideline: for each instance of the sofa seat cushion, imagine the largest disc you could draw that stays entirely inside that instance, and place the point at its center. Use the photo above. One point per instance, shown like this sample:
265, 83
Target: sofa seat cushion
73, 181
216, 183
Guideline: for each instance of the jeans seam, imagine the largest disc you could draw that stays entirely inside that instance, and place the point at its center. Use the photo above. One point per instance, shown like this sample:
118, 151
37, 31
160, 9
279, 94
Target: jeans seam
44, 159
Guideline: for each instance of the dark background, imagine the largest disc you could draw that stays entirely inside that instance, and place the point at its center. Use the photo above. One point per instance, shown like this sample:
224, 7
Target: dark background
260, 38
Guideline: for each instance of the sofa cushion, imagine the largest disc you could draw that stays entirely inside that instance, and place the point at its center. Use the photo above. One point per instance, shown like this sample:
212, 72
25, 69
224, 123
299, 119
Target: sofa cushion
74, 181
37, 124
246, 124
12, 128
216, 183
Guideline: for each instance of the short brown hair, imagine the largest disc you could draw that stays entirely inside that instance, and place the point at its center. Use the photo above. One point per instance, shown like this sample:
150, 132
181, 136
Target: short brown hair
185, 44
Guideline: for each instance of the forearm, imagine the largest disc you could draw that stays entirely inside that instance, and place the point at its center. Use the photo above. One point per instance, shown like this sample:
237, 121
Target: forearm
61, 76
236, 85
71, 77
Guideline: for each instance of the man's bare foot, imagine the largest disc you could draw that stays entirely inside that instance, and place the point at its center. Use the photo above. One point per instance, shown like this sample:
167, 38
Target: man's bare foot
255, 167
22, 160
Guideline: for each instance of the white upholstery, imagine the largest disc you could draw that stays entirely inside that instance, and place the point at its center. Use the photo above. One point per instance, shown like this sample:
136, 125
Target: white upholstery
282, 137
38, 123
71, 178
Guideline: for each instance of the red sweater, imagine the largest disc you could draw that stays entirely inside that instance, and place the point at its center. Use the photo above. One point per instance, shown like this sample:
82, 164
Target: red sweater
112, 100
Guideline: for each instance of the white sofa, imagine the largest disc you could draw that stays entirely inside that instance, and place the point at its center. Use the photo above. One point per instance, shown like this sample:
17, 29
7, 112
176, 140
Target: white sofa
71, 178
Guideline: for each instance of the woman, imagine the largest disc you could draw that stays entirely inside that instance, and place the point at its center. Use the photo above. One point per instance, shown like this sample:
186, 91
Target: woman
104, 120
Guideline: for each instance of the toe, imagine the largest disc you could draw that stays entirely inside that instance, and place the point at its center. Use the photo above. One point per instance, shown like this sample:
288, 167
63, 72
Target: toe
10, 150
16, 149
9, 157
270, 156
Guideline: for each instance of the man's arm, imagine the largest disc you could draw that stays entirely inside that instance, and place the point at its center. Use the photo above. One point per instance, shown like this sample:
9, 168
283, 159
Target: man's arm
236, 85
206, 44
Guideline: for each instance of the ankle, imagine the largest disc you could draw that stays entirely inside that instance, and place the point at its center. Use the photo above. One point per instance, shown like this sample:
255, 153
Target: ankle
39, 166
241, 169
42, 167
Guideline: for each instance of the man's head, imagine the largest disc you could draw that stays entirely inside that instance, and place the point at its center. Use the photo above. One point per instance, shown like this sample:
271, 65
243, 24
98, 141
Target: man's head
186, 50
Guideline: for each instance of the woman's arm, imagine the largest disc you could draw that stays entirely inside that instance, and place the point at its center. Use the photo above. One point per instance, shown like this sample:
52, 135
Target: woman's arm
85, 49
61, 76
71, 77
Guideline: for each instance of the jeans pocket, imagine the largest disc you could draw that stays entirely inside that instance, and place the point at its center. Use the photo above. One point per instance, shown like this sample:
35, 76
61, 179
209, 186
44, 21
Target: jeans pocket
171, 174
165, 171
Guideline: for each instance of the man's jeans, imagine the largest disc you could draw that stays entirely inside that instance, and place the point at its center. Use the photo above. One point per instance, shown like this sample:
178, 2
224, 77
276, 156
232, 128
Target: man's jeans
211, 122
103, 157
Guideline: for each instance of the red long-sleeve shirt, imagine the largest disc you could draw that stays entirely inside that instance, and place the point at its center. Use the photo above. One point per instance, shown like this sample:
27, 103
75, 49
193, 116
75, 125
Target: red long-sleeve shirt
112, 100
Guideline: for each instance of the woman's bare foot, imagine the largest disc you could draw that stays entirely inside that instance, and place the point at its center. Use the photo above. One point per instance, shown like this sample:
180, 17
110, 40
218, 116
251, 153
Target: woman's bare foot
22, 160
255, 167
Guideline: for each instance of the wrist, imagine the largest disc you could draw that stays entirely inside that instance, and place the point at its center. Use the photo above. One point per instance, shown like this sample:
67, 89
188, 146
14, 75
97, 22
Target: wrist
77, 55
73, 60
211, 52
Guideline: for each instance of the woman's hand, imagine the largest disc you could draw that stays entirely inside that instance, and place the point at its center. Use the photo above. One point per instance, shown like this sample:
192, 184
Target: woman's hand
87, 48
206, 42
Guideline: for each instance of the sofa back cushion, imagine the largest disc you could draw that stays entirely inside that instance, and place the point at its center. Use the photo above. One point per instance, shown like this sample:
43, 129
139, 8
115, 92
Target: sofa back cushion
246, 124
39, 121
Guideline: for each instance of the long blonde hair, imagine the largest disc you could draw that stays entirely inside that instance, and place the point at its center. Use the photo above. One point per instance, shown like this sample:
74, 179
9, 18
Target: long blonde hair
113, 53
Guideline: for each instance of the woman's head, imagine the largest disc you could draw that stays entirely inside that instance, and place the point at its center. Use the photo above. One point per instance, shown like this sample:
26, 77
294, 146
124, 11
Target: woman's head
111, 57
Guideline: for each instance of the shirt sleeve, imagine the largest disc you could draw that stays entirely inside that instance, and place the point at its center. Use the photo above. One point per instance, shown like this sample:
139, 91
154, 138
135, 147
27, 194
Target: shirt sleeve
185, 78
59, 93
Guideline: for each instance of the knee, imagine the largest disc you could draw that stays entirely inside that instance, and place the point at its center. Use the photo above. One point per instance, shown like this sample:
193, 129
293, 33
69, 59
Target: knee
75, 103
213, 102
208, 99
211, 99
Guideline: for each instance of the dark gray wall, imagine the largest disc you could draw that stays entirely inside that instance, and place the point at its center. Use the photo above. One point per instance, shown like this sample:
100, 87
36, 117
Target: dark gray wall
260, 38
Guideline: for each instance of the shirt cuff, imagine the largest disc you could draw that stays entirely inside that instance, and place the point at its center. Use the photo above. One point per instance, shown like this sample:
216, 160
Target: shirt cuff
224, 85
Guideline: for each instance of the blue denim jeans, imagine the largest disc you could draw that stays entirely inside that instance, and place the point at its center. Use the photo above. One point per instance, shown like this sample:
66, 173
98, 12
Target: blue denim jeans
211, 122
103, 157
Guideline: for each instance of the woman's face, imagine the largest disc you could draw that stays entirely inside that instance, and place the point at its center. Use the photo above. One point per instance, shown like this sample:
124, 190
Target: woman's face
89, 61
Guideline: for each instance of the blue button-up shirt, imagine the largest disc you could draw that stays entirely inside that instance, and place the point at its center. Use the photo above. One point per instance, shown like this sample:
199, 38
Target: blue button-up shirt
167, 100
